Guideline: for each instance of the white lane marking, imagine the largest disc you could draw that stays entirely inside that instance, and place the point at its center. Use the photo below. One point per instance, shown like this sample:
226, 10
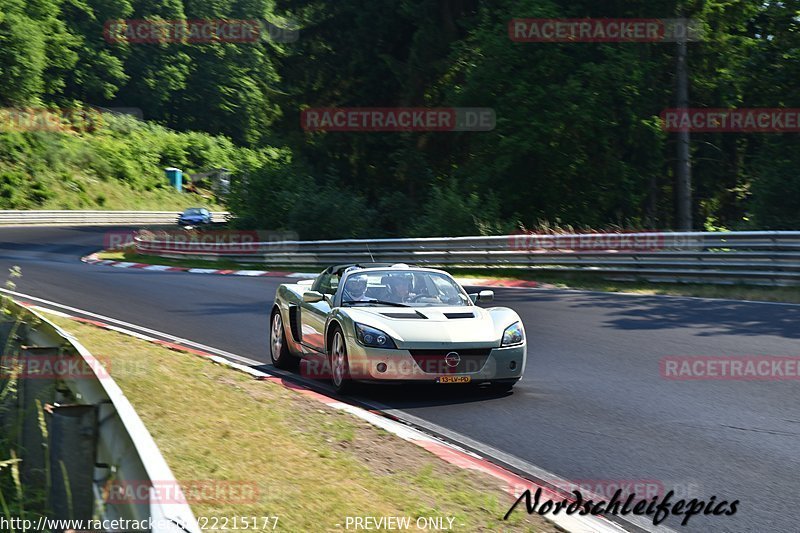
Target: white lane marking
401, 430
171, 338
242, 368
203, 270
125, 331
52, 312
124, 264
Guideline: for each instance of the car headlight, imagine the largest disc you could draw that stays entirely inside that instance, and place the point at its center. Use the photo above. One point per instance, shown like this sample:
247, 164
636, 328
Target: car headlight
513, 334
372, 337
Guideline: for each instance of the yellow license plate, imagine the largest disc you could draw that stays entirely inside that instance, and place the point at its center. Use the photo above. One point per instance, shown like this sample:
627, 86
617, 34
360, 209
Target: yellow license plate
454, 379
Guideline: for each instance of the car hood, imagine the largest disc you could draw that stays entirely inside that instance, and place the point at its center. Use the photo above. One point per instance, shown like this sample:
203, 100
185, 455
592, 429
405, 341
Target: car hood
433, 327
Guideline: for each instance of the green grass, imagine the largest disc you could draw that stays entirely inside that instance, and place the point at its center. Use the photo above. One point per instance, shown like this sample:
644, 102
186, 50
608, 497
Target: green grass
115, 195
313, 465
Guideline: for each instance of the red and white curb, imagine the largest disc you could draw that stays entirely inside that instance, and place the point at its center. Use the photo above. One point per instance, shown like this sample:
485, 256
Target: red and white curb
477, 282
92, 259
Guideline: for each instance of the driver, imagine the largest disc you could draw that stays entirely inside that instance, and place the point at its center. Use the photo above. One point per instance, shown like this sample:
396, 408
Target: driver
355, 289
399, 288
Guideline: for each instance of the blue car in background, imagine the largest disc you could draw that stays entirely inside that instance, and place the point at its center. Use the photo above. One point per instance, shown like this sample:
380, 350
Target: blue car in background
194, 216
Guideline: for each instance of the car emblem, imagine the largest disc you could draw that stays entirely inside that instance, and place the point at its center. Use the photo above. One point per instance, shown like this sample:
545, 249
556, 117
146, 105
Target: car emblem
452, 359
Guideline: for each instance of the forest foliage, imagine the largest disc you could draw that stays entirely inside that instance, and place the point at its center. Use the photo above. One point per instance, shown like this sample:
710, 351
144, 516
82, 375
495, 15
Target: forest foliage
577, 141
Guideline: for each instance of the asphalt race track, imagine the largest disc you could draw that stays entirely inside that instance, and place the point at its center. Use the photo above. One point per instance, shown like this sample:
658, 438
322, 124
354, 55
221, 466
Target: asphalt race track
593, 405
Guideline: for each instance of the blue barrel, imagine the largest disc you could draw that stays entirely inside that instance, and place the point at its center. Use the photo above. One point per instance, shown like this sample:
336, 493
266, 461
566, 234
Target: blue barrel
175, 178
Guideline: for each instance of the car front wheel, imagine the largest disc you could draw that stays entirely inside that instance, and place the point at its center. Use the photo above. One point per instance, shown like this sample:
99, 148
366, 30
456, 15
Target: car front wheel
339, 364
279, 351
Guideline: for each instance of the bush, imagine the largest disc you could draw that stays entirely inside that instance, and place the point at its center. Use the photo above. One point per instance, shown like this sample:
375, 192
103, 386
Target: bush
283, 195
334, 213
39, 193
449, 212
774, 204
11, 186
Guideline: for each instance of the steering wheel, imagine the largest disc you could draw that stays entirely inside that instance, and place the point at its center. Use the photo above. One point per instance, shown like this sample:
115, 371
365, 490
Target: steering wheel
418, 296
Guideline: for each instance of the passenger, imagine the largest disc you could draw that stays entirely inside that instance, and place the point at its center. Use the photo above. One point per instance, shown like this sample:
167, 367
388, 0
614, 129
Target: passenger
355, 289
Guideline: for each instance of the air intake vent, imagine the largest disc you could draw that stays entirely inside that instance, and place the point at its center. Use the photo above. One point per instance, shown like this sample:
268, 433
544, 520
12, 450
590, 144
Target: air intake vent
405, 315
476, 352
294, 323
459, 315
451, 361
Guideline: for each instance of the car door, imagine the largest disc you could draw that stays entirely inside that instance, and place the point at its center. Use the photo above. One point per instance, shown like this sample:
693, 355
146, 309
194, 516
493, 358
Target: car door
313, 316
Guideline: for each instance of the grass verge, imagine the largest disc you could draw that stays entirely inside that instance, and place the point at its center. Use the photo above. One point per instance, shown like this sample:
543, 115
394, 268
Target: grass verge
313, 466
558, 280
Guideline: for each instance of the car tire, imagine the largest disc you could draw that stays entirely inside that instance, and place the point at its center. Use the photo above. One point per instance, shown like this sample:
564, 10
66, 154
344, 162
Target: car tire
339, 363
278, 347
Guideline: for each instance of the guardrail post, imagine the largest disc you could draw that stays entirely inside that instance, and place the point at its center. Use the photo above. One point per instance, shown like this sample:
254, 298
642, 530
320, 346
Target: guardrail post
9, 407
35, 387
8, 404
73, 443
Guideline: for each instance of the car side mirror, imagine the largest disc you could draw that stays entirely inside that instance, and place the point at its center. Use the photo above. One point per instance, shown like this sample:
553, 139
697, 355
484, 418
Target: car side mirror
312, 297
486, 296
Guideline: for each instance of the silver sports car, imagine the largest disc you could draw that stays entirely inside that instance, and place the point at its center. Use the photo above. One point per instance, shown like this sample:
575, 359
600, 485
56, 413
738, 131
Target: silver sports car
378, 323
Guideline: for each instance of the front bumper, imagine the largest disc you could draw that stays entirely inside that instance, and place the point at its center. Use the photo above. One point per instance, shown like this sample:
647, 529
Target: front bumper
367, 364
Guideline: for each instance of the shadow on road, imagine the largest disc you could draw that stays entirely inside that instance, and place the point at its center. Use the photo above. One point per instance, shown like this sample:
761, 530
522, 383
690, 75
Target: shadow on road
399, 395
708, 317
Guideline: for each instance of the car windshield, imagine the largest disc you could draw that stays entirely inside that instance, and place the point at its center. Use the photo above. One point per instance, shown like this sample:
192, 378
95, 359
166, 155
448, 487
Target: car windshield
193, 211
412, 288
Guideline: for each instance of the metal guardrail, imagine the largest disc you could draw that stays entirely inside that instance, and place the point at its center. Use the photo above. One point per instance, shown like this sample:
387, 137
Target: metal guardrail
755, 257
93, 218
76, 432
